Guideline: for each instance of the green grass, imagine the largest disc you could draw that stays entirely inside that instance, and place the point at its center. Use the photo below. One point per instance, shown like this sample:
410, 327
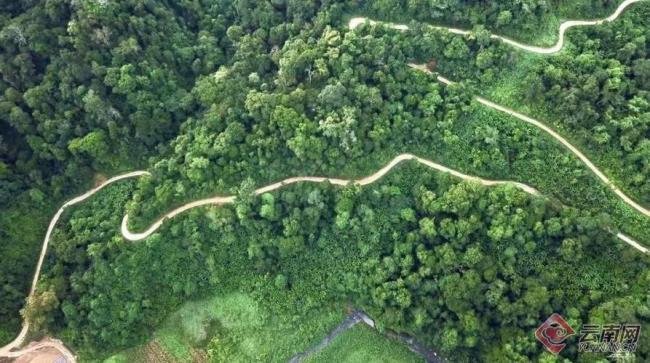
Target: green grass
172, 342
237, 328
117, 358
195, 322
362, 344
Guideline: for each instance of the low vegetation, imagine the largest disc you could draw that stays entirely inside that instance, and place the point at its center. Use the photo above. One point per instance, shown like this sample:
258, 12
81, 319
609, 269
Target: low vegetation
360, 344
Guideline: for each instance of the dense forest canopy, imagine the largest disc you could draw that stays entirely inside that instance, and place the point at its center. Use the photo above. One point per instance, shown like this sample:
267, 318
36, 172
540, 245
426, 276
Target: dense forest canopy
220, 97
596, 91
528, 20
456, 263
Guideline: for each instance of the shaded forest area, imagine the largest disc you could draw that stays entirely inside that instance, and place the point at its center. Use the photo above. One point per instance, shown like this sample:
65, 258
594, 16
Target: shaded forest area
208, 94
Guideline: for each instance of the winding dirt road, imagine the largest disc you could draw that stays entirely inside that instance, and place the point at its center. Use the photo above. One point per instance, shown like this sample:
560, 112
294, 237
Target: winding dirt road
629, 201
131, 236
6, 351
354, 22
221, 200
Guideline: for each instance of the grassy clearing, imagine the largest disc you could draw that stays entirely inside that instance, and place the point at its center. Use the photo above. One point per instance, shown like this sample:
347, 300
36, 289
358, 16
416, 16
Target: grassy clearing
509, 84
361, 344
236, 328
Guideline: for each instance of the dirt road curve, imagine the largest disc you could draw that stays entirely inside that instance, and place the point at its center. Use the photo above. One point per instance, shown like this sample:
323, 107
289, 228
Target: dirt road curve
629, 201
220, 200
6, 350
46, 345
131, 236
354, 22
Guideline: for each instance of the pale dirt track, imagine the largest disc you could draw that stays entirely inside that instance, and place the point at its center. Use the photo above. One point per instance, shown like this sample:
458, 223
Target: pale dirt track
6, 351
44, 345
629, 201
355, 22
131, 236
221, 200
